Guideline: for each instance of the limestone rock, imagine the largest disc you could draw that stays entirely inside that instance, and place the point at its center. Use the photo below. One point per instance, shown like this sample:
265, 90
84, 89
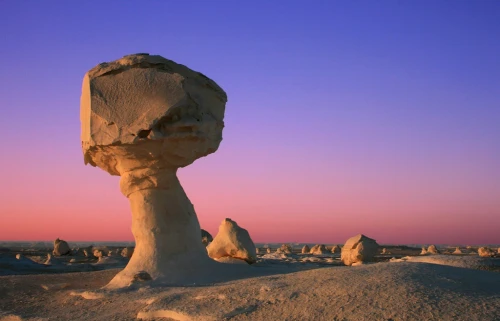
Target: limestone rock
432, 249
306, 249
127, 252
485, 252
318, 249
61, 248
335, 249
423, 252
268, 251
52, 260
384, 251
257, 250
285, 249
99, 253
232, 241
457, 251
206, 237
357, 249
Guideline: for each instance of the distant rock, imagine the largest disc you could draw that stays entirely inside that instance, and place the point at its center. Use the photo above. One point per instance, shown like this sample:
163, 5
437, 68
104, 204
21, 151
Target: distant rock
457, 251
485, 252
358, 249
306, 249
61, 248
257, 250
384, 251
335, 249
424, 251
232, 241
268, 250
318, 249
206, 237
52, 260
98, 253
127, 252
432, 249
285, 249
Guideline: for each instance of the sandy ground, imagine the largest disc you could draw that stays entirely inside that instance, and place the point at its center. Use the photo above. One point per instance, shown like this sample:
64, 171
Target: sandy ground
321, 290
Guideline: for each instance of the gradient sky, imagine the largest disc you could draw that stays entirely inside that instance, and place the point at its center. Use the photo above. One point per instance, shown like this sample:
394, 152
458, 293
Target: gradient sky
344, 117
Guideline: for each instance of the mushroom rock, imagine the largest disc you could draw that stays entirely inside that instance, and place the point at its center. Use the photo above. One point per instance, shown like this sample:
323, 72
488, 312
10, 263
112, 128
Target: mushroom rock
127, 252
61, 248
206, 237
268, 250
432, 249
457, 251
485, 252
285, 248
305, 249
318, 249
358, 249
142, 118
423, 252
335, 249
232, 241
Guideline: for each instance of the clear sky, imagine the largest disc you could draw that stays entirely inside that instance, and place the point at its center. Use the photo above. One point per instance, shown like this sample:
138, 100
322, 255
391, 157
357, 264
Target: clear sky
344, 117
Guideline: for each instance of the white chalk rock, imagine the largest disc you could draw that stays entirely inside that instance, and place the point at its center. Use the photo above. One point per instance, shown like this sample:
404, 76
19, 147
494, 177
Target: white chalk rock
268, 250
485, 252
457, 251
335, 249
423, 252
285, 249
432, 249
232, 241
61, 248
318, 249
306, 249
127, 252
357, 249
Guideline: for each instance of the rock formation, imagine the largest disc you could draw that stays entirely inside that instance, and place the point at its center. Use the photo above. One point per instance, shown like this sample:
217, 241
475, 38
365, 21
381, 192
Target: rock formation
285, 249
432, 249
232, 241
335, 249
424, 251
306, 249
142, 118
257, 250
318, 249
358, 249
268, 250
384, 251
61, 248
206, 237
127, 252
457, 251
485, 252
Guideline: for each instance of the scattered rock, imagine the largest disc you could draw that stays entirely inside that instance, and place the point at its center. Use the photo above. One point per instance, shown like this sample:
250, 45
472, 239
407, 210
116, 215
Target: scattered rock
268, 250
206, 237
335, 249
424, 251
285, 249
127, 252
457, 251
61, 248
232, 241
306, 249
485, 252
357, 249
432, 249
318, 249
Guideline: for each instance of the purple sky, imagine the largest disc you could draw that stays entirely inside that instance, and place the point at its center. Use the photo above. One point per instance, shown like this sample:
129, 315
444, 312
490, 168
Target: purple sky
380, 118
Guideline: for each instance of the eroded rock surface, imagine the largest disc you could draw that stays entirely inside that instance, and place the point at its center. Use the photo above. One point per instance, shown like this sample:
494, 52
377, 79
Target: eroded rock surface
359, 249
318, 249
61, 247
232, 241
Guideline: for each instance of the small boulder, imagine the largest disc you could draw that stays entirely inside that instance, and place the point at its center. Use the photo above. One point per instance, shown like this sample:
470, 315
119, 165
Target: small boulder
306, 249
335, 249
424, 251
457, 251
127, 252
358, 249
432, 249
232, 241
206, 237
61, 248
268, 250
318, 249
285, 249
485, 252
384, 251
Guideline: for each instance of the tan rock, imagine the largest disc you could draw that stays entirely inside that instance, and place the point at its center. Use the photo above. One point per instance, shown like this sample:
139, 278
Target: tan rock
358, 249
432, 249
306, 249
485, 252
457, 251
143, 117
384, 251
206, 237
61, 248
268, 250
285, 249
424, 251
335, 249
232, 241
318, 249
127, 252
